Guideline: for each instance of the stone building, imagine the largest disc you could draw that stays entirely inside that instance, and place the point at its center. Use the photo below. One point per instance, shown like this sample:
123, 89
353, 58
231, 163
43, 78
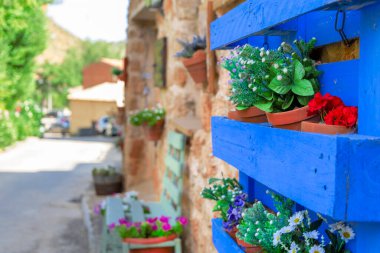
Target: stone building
189, 106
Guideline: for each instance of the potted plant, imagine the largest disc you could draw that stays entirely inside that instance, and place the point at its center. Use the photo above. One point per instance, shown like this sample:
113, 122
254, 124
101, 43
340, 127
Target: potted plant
194, 58
107, 180
118, 73
152, 120
229, 199
335, 117
152, 231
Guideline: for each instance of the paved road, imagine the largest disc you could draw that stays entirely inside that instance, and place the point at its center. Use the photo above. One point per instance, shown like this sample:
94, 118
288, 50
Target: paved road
41, 185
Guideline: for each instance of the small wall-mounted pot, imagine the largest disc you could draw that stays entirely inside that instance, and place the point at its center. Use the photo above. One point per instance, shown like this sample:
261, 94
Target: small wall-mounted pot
197, 66
153, 133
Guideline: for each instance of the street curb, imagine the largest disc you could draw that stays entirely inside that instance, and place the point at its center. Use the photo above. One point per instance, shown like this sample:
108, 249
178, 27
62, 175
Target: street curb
88, 224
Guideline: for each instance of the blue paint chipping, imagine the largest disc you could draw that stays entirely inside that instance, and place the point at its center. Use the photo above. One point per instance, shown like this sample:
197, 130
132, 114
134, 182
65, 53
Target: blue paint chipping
337, 176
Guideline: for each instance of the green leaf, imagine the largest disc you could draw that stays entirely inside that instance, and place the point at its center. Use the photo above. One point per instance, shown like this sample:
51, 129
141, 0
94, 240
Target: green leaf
239, 108
264, 105
213, 180
299, 71
288, 102
279, 87
332, 237
315, 225
302, 87
303, 100
268, 95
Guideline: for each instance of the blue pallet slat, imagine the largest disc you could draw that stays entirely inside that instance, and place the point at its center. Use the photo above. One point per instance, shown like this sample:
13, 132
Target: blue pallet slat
257, 17
341, 79
324, 173
222, 241
369, 88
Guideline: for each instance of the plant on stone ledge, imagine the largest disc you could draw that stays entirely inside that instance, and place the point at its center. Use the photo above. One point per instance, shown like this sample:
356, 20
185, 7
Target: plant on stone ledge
230, 200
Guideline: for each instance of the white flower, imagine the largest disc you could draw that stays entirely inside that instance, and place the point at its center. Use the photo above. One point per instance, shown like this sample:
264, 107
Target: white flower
336, 226
296, 219
248, 229
293, 248
295, 41
287, 229
267, 77
316, 249
283, 44
276, 66
257, 222
285, 70
223, 196
263, 60
279, 77
278, 213
243, 214
254, 89
262, 49
257, 234
271, 222
267, 52
311, 235
346, 233
262, 53
305, 59
279, 49
257, 230
276, 238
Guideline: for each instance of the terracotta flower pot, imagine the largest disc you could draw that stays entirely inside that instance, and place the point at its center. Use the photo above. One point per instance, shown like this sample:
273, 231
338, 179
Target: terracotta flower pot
153, 133
232, 233
148, 241
197, 67
249, 248
325, 129
291, 119
251, 114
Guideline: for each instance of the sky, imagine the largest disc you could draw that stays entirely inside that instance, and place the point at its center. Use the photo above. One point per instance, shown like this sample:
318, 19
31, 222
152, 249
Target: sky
92, 19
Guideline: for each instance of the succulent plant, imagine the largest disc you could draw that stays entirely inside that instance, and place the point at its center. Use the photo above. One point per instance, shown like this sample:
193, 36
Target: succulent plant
190, 47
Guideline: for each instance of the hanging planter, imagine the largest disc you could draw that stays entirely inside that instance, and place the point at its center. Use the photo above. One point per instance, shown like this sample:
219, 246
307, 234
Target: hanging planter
149, 241
197, 67
333, 116
292, 119
251, 114
249, 248
152, 120
153, 133
194, 58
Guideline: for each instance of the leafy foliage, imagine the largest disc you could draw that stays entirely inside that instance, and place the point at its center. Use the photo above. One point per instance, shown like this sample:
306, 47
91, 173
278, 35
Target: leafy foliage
189, 48
273, 81
147, 116
104, 172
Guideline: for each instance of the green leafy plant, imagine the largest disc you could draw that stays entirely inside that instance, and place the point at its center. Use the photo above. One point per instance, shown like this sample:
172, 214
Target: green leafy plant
189, 48
147, 116
272, 80
116, 71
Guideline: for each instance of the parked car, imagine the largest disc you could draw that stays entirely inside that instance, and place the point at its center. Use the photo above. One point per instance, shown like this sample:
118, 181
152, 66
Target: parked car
55, 122
107, 126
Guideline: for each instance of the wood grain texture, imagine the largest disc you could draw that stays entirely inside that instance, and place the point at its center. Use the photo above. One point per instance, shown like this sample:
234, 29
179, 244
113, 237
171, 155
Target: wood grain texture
321, 172
222, 241
211, 58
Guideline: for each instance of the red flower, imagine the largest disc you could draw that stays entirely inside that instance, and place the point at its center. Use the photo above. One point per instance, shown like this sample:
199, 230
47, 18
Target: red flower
342, 116
332, 102
316, 104
323, 104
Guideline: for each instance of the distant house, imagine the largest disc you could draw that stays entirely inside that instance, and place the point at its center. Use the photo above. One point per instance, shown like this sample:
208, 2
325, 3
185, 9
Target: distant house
89, 105
100, 72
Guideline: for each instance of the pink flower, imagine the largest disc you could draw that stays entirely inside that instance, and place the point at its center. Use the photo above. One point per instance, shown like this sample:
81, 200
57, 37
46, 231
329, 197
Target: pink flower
137, 224
152, 220
123, 221
97, 209
154, 227
166, 227
111, 226
182, 220
164, 219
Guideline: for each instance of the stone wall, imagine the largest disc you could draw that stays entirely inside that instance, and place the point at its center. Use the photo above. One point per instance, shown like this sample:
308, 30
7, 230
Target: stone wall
181, 96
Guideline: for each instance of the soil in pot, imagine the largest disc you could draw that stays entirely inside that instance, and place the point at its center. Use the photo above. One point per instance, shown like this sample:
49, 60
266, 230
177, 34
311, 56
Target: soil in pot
148, 241
197, 67
249, 248
325, 129
153, 133
251, 114
292, 119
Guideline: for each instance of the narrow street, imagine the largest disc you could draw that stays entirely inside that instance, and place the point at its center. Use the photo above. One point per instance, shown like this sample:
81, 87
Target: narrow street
42, 183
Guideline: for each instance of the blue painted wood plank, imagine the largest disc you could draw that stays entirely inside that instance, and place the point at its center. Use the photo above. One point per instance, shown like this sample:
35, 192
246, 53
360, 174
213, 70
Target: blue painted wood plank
222, 241
369, 88
114, 210
324, 173
341, 79
256, 17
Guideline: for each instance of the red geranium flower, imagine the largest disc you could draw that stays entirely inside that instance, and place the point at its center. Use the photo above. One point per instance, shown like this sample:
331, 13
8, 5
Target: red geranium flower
342, 116
332, 102
316, 104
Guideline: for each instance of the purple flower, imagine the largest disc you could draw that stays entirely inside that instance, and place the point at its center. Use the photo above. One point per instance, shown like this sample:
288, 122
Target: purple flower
233, 70
166, 227
240, 200
137, 224
111, 226
164, 219
234, 214
123, 221
182, 220
152, 220
154, 227
97, 209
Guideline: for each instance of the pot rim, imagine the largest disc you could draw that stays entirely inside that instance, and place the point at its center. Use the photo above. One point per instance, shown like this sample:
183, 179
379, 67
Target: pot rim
153, 240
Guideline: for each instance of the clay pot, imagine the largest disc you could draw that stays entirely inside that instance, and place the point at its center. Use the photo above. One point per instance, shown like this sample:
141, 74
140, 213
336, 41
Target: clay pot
292, 119
197, 67
325, 129
153, 133
251, 114
107, 185
148, 241
232, 233
249, 248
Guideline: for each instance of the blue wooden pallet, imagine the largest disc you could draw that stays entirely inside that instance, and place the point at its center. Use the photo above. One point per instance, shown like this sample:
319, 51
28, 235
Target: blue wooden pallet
338, 176
222, 241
